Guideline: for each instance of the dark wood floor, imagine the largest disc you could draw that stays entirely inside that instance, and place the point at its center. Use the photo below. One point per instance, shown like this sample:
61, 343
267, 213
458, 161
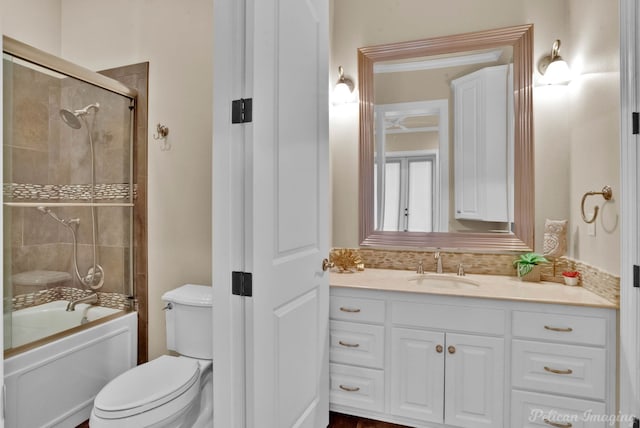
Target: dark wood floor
338, 420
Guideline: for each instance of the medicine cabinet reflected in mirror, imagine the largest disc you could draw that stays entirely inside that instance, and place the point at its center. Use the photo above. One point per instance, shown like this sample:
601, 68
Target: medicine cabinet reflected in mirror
446, 144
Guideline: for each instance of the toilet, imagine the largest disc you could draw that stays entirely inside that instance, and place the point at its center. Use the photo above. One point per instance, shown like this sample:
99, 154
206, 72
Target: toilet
170, 391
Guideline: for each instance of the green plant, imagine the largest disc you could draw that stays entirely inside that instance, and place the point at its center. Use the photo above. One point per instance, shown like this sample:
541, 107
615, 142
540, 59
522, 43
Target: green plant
527, 261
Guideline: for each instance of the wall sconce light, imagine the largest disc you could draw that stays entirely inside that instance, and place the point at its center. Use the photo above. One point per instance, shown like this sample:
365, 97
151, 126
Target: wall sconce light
343, 91
554, 69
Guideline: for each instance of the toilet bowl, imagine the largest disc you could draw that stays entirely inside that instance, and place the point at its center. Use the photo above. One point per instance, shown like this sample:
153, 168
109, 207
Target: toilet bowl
169, 391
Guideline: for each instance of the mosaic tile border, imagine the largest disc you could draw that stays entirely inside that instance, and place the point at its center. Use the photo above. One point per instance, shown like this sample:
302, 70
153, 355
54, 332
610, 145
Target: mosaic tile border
107, 300
66, 192
593, 279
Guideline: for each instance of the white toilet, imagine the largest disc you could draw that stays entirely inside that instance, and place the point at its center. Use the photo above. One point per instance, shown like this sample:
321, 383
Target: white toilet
168, 392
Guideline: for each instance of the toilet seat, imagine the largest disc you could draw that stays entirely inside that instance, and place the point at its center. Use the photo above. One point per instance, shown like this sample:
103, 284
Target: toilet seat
148, 386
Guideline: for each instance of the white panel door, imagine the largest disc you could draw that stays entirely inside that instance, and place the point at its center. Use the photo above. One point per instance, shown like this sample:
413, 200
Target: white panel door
417, 374
475, 381
270, 205
287, 220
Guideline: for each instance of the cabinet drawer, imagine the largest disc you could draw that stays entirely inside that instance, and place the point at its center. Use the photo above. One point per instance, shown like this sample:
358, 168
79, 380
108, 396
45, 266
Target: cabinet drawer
561, 369
359, 344
578, 329
356, 309
449, 317
530, 410
356, 387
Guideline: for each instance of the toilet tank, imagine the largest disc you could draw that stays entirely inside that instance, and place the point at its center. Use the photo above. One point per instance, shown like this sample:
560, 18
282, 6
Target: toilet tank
190, 320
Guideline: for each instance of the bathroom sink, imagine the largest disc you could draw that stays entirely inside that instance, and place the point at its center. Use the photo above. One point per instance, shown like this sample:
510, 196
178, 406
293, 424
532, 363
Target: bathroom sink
439, 280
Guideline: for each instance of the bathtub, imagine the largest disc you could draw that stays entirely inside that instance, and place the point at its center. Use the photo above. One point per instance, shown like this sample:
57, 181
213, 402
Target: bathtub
37, 322
53, 385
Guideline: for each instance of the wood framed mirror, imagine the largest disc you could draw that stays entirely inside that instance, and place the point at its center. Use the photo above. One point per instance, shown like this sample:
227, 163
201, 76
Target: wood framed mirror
520, 233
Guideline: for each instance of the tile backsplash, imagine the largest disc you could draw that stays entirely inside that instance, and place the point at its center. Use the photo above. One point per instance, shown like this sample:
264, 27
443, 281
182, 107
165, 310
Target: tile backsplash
593, 279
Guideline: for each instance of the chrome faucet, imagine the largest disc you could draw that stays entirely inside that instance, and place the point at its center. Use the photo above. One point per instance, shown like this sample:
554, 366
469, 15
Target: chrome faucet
438, 262
91, 298
420, 269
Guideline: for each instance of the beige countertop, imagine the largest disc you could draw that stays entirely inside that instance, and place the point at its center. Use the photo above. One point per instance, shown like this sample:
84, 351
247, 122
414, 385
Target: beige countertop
479, 286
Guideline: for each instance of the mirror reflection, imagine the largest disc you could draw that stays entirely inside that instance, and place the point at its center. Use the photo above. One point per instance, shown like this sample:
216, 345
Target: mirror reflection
444, 142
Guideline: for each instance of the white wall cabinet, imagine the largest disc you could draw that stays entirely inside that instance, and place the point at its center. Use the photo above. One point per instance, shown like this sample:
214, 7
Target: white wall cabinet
435, 361
483, 141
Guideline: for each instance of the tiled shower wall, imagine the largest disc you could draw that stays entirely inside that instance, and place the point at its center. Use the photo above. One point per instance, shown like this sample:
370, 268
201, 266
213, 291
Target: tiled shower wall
42, 154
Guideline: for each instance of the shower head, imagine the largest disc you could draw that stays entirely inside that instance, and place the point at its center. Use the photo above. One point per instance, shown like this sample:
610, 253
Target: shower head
72, 118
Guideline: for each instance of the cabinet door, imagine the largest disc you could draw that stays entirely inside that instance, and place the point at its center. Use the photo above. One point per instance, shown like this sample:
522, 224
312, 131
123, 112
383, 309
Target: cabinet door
469, 149
417, 374
474, 390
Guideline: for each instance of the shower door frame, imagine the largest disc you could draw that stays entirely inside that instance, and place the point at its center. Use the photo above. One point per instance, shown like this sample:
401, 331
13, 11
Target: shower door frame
51, 62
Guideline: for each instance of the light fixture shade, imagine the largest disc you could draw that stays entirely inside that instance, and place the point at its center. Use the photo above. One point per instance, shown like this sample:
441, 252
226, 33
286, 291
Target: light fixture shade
557, 73
343, 91
554, 69
342, 94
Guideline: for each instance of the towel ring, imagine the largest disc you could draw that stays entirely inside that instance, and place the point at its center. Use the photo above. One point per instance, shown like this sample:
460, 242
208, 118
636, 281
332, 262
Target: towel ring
606, 193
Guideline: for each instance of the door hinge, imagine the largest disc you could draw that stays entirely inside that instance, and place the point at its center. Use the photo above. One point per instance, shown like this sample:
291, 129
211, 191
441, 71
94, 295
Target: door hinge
636, 276
636, 423
242, 110
635, 123
241, 284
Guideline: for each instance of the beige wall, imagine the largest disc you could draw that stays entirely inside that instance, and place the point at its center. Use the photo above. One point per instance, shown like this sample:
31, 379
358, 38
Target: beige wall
35, 22
177, 40
570, 159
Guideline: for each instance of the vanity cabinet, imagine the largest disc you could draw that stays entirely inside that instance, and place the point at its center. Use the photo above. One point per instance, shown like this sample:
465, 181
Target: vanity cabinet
429, 360
447, 378
562, 368
483, 141
356, 352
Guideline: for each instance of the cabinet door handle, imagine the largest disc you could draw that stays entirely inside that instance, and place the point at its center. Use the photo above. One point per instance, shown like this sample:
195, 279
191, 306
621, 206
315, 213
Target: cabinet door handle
351, 310
349, 345
451, 349
565, 330
439, 349
550, 370
349, 388
557, 425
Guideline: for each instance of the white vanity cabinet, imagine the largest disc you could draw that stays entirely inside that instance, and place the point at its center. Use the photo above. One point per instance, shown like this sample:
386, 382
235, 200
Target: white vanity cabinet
562, 367
430, 360
483, 141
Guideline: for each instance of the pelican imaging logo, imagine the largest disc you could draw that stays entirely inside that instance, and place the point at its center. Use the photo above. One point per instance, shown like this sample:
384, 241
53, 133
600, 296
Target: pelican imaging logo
556, 418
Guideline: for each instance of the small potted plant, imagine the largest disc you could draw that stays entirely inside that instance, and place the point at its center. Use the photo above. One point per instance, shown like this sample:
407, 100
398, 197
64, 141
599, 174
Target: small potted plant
571, 277
528, 266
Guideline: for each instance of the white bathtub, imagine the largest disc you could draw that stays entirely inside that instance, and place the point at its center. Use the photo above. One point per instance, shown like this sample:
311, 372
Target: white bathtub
37, 322
54, 385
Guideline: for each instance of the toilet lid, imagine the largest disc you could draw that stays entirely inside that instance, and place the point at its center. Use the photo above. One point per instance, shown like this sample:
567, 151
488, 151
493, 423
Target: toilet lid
147, 386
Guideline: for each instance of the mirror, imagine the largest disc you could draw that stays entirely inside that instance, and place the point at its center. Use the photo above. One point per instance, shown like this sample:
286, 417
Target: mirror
428, 177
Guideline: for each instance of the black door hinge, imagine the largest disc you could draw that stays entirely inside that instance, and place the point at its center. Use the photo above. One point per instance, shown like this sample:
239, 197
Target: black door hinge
636, 423
241, 284
242, 110
635, 123
636, 276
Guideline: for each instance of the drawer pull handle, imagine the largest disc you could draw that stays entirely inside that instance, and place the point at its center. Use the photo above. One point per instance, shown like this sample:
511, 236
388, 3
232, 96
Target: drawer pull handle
564, 330
352, 310
439, 349
349, 345
557, 425
567, 371
349, 388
